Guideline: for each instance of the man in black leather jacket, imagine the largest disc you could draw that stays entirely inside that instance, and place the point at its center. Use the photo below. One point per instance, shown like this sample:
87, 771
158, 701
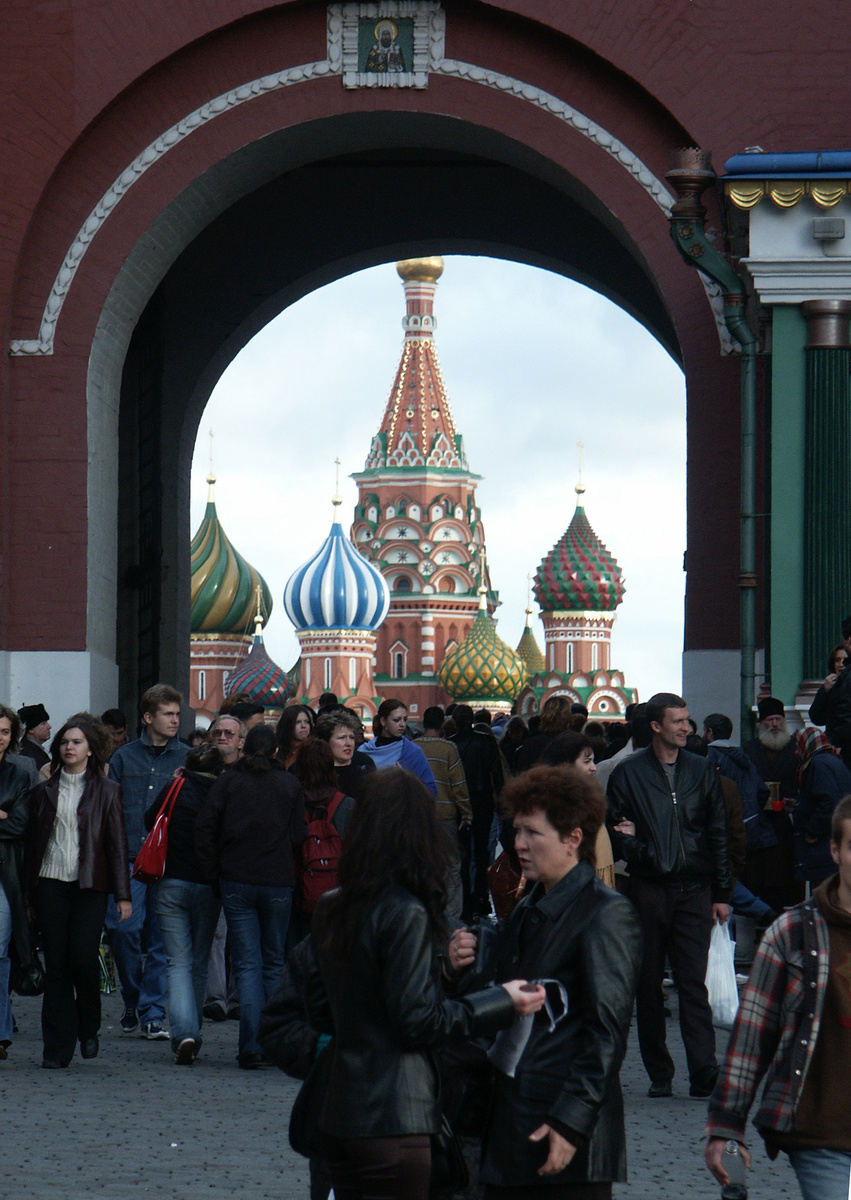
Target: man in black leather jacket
668, 821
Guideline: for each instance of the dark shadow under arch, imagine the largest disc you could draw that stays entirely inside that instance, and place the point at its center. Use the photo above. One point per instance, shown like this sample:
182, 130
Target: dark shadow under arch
295, 214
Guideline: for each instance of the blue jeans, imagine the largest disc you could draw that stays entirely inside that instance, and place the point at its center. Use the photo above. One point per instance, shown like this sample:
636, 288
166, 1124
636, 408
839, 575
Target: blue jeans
745, 904
5, 966
822, 1174
187, 913
258, 918
145, 990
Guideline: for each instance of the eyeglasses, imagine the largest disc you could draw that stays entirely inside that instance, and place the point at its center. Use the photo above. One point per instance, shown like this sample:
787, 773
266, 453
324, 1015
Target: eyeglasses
224, 733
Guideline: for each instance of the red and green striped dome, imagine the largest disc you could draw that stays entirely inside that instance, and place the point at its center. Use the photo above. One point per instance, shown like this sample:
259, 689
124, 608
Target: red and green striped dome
579, 574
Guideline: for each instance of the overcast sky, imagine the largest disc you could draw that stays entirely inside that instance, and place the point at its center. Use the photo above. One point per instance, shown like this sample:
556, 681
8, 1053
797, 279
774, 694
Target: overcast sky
532, 363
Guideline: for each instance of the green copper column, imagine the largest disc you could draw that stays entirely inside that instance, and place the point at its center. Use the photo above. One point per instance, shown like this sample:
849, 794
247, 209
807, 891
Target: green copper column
827, 489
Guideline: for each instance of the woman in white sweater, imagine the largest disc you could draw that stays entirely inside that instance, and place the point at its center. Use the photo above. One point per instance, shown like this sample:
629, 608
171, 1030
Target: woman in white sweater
76, 855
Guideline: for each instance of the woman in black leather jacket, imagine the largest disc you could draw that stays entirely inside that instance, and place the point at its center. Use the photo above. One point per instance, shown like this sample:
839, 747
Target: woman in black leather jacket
378, 991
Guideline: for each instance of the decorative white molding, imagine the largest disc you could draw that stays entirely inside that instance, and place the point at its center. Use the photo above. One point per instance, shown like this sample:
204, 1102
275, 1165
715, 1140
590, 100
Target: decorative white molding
304, 73
787, 281
570, 116
43, 344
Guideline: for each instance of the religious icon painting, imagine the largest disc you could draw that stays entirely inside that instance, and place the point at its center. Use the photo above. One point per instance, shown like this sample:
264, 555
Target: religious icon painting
386, 43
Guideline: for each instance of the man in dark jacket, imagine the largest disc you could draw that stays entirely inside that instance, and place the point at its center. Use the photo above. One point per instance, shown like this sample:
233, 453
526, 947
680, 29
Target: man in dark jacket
483, 771
832, 704
668, 821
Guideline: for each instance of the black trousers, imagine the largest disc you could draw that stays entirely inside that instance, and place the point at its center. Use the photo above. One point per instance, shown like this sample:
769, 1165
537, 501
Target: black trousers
71, 919
678, 923
391, 1168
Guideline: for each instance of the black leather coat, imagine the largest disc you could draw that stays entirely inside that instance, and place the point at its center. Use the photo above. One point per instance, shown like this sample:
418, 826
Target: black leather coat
387, 1012
588, 938
14, 800
681, 837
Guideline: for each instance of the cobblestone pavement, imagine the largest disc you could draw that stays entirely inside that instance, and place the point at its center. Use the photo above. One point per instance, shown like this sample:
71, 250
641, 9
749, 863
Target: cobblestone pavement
131, 1124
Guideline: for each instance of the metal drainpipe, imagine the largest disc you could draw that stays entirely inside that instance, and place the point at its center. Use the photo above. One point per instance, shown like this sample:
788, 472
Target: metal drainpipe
691, 173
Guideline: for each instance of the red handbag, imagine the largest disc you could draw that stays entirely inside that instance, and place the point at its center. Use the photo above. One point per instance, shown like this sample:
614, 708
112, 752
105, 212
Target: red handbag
150, 861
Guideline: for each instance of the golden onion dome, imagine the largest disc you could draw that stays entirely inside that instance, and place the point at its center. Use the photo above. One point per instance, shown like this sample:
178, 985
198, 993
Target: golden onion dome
482, 668
224, 585
425, 270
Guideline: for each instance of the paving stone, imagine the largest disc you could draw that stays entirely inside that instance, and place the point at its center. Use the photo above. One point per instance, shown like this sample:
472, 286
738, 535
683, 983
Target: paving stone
130, 1124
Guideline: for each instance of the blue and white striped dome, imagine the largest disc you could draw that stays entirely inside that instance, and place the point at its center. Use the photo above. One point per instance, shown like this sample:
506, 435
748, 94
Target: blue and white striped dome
337, 589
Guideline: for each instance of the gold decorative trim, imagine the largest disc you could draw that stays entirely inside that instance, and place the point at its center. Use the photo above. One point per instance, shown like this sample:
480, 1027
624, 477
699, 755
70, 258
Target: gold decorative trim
786, 193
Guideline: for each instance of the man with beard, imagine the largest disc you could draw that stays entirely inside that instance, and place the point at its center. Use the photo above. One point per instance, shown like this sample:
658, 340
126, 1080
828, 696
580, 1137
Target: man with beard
773, 754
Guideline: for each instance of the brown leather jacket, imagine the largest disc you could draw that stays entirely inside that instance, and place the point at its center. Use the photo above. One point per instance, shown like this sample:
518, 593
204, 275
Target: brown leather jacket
103, 837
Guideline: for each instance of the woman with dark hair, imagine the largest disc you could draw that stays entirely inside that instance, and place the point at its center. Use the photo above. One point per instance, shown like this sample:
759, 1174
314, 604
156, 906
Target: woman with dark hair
295, 726
376, 941
556, 718
391, 748
246, 835
343, 731
76, 855
314, 769
324, 799
14, 812
187, 905
576, 750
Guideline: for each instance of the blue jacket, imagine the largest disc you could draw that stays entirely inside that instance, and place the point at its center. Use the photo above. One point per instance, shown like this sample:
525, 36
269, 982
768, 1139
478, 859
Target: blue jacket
402, 752
736, 765
142, 773
825, 781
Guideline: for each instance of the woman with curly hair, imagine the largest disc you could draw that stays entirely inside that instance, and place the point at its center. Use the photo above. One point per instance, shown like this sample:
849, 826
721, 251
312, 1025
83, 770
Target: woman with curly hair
376, 941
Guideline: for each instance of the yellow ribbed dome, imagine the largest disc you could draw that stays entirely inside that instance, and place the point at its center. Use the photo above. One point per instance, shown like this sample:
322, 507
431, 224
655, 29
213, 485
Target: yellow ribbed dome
428, 270
482, 668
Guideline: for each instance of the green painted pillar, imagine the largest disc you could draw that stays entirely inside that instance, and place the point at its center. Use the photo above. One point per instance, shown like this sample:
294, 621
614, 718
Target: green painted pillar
785, 668
827, 519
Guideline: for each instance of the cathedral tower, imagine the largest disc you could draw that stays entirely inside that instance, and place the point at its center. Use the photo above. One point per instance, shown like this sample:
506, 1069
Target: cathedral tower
417, 520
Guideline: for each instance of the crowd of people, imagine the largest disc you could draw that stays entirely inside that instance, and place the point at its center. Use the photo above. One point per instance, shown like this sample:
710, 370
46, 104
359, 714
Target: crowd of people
339, 893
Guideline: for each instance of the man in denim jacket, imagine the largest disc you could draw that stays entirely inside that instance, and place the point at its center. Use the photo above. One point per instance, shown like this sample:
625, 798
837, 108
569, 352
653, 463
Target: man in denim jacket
143, 768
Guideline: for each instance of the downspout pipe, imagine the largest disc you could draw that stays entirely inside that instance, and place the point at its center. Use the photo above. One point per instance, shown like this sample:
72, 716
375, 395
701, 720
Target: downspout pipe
691, 173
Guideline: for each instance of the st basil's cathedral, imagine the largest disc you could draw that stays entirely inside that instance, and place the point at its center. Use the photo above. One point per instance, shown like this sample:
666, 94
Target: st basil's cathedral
404, 605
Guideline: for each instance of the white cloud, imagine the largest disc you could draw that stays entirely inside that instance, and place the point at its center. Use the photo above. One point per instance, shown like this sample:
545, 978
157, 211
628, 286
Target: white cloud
532, 363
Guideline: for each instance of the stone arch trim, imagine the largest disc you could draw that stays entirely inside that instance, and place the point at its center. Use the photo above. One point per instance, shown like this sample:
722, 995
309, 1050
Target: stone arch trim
43, 343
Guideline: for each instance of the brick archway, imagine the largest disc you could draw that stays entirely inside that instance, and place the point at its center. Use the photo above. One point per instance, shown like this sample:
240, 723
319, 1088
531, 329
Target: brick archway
194, 199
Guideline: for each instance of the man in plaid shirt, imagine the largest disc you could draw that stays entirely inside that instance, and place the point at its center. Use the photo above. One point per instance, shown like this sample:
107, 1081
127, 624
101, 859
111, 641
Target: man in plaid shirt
794, 1028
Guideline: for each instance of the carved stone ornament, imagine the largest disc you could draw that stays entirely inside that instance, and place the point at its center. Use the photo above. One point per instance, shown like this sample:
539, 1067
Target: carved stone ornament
388, 43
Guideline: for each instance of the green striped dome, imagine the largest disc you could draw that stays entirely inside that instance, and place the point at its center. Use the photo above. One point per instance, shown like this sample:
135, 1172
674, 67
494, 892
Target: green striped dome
224, 585
482, 668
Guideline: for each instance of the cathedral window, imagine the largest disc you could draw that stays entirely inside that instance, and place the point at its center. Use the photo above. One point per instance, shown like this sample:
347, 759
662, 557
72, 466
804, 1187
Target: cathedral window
202, 685
402, 584
327, 684
353, 674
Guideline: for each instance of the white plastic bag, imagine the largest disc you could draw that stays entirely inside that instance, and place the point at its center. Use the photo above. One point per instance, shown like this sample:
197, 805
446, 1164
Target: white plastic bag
721, 977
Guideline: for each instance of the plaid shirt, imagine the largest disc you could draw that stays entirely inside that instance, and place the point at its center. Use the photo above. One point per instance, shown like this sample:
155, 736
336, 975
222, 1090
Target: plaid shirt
776, 1027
